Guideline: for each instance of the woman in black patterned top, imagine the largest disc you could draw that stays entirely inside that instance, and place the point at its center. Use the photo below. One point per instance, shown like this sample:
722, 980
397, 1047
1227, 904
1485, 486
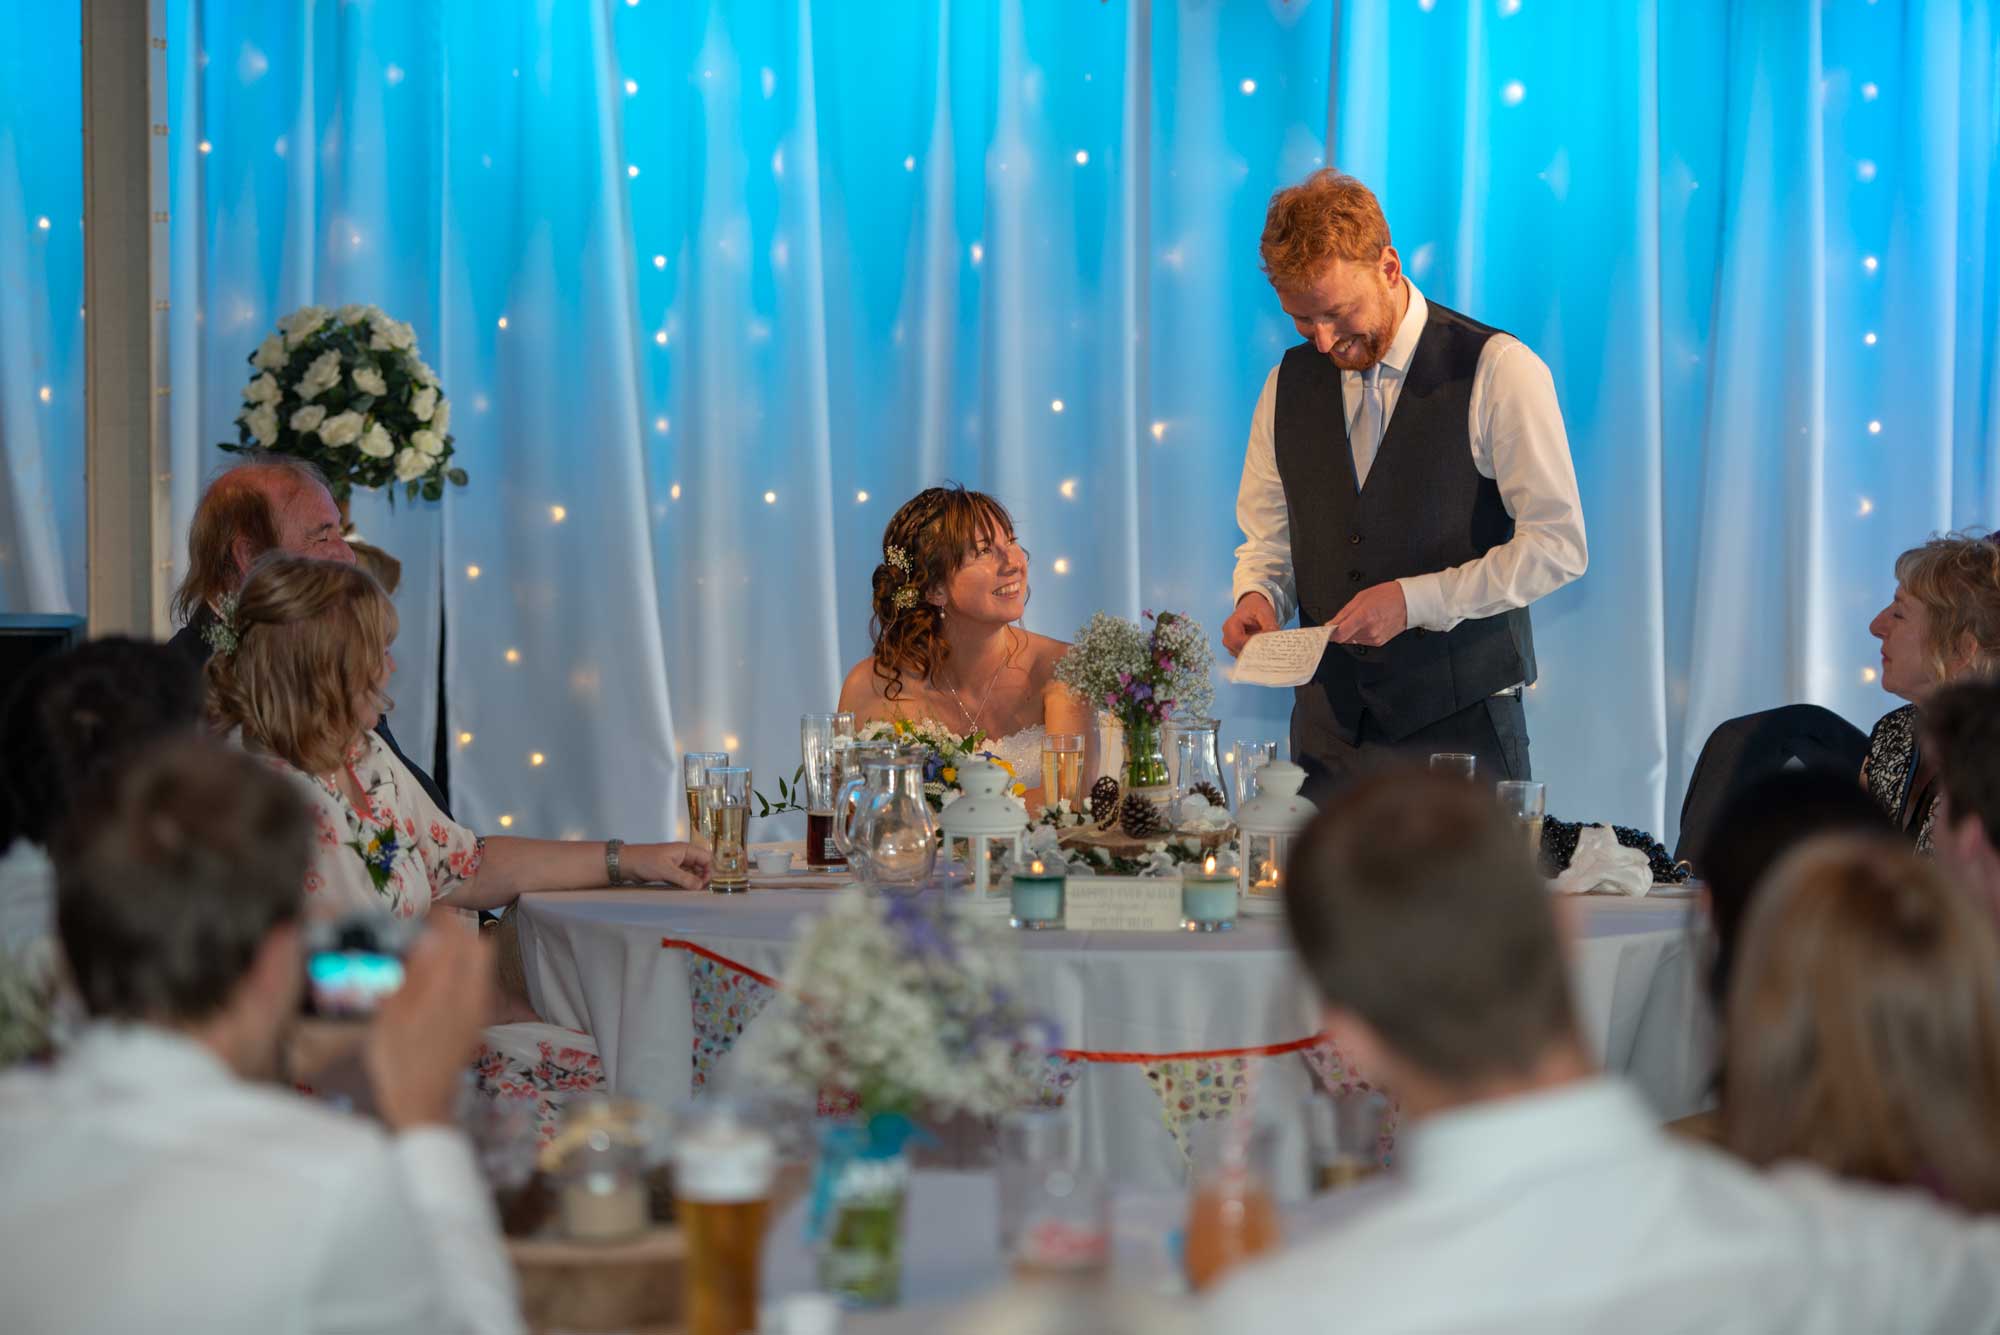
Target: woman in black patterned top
1943, 625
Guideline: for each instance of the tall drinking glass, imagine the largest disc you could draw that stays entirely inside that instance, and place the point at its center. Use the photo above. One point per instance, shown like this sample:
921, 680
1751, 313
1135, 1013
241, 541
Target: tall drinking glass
819, 735
1344, 1137
695, 766
723, 1174
1525, 804
1455, 764
726, 807
1249, 758
1062, 769
1232, 1214
1033, 1141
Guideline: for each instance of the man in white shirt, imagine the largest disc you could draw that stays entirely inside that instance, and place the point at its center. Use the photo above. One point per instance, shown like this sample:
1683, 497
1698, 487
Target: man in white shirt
1408, 484
156, 1179
1532, 1194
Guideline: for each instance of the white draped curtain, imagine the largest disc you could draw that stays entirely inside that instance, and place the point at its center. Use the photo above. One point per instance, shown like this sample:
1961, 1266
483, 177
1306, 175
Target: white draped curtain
714, 286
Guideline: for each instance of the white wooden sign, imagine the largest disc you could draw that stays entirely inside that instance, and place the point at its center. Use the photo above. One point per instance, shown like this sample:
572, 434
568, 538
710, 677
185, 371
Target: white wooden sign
1122, 904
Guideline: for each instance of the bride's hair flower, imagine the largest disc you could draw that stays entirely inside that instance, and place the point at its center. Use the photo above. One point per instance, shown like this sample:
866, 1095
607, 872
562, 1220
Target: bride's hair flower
897, 557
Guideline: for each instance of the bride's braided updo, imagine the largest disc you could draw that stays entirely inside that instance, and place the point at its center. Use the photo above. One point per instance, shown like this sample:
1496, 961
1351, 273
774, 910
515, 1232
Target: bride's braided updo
925, 543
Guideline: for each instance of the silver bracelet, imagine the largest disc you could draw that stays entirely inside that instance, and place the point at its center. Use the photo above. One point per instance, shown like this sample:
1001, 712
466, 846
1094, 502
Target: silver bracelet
611, 847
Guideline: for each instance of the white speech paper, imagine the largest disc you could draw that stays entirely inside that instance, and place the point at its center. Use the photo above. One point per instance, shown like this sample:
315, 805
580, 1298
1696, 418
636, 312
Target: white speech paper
1281, 657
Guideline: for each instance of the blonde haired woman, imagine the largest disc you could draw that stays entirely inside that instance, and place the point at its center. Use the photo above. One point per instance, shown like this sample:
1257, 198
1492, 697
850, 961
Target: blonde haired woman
1942, 626
1863, 1029
299, 678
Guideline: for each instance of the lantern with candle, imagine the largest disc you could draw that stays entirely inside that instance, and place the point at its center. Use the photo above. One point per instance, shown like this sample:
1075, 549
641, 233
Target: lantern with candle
983, 831
1269, 822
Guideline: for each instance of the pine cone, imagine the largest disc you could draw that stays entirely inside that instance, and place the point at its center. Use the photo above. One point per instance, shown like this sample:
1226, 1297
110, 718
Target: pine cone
1104, 801
1212, 793
1139, 818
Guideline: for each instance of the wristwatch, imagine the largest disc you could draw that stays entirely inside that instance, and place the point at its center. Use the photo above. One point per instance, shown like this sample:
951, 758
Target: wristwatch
611, 871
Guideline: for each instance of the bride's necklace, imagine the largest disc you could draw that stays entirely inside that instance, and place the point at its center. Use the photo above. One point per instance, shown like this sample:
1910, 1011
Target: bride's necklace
972, 715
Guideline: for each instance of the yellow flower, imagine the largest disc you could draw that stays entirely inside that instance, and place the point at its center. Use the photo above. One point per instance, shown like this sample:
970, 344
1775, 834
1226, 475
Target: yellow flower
1020, 790
902, 728
949, 774
1004, 765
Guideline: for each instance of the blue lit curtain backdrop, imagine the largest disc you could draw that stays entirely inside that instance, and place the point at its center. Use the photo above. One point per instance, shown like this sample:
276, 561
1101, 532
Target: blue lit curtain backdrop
714, 286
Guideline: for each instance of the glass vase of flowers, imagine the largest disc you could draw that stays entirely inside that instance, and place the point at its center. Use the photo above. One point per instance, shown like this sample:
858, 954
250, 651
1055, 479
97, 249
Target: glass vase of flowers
1142, 676
894, 1007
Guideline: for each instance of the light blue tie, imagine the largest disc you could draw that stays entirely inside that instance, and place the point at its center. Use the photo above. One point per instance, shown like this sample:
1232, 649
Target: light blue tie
1366, 436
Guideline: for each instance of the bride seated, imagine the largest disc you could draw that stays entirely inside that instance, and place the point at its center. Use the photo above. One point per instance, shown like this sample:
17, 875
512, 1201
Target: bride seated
952, 581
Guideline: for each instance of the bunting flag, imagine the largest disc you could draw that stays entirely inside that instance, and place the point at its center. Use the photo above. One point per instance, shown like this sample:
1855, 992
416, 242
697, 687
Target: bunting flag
1337, 1077
724, 1001
1057, 1074
1198, 1089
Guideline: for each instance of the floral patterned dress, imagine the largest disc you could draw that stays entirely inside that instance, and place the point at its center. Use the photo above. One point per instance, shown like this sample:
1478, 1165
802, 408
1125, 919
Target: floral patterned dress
399, 853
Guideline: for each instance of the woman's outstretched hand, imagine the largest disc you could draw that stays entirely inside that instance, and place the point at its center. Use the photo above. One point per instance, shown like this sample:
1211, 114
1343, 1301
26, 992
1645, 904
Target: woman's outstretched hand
683, 865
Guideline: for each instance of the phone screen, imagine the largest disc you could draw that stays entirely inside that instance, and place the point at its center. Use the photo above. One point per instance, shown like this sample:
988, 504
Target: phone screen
343, 984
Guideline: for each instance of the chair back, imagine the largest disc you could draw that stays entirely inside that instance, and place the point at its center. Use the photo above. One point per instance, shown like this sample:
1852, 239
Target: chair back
1747, 749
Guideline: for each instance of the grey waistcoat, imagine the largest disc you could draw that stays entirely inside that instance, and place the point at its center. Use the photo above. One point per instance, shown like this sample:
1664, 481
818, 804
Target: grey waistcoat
1424, 509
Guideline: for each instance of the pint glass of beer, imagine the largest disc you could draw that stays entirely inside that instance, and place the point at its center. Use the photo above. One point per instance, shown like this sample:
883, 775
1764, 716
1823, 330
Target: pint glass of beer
723, 1172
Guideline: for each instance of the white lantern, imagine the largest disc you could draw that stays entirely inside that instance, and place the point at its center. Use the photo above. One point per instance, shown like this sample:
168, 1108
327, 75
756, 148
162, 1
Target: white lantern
983, 831
1268, 823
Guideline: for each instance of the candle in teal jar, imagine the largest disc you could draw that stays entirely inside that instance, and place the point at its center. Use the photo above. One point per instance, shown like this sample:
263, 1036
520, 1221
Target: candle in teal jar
1208, 898
1037, 897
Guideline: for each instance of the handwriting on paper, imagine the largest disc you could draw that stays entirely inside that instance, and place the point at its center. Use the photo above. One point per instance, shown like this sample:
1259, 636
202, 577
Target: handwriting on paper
1281, 657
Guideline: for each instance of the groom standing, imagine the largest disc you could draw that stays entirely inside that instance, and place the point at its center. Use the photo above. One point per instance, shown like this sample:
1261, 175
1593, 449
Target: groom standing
1408, 482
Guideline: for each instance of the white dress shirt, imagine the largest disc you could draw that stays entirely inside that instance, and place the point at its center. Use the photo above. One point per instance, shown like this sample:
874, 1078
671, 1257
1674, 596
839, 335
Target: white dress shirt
145, 1187
1518, 440
1571, 1211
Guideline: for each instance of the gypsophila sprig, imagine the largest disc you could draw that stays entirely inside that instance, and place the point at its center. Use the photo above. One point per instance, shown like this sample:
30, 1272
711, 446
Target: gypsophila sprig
347, 391
1141, 677
905, 1002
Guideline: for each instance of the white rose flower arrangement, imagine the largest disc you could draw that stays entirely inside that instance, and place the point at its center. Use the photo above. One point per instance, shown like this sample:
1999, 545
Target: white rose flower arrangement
346, 390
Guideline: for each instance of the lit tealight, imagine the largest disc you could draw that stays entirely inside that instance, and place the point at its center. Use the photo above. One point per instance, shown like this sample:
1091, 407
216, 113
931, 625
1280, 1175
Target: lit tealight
661, 338
558, 513
46, 394
978, 252
205, 147
513, 655
536, 757
506, 821
662, 425
1513, 93
1864, 170
1867, 507
472, 572
1869, 92
910, 163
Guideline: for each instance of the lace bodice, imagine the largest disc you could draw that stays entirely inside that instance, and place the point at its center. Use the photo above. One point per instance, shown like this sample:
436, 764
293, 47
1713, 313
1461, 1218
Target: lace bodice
1023, 752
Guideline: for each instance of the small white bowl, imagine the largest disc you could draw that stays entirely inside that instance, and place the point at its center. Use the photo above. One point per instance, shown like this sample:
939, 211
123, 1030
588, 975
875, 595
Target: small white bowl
774, 861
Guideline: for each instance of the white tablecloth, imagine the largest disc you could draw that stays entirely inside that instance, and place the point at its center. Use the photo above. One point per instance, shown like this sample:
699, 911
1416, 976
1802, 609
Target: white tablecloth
620, 965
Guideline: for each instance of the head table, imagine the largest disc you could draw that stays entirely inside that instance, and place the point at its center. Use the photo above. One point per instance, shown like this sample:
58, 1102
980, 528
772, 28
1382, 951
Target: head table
1158, 1031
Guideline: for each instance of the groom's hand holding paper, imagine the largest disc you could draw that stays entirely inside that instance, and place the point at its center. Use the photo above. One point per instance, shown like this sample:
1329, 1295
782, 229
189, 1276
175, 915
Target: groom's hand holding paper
1376, 615
1280, 657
